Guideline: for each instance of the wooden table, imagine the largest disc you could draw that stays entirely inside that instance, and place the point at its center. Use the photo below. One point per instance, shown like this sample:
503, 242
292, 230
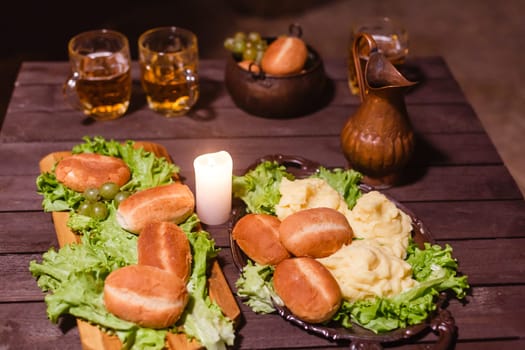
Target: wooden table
456, 183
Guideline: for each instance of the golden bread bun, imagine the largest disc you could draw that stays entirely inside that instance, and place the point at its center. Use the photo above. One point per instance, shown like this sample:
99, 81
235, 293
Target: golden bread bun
285, 55
307, 289
258, 237
174, 202
145, 295
90, 170
315, 232
165, 245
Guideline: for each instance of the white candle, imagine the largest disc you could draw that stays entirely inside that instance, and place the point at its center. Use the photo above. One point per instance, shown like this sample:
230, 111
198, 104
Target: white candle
213, 187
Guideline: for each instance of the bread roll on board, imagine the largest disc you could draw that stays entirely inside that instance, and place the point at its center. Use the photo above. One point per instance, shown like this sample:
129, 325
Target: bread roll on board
87, 170
174, 202
165, 245
307, 289
258, 237
146, 295
315, 232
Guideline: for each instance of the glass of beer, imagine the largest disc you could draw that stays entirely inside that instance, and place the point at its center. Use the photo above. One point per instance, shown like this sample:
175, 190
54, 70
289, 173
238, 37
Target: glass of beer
100, 80
169, 60
391, 39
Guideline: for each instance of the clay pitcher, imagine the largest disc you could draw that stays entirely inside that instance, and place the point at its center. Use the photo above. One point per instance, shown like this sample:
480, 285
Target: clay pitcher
377, 140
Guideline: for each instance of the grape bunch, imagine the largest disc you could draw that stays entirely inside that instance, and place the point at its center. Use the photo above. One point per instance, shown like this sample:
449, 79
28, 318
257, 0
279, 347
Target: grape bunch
246, 46
95, 200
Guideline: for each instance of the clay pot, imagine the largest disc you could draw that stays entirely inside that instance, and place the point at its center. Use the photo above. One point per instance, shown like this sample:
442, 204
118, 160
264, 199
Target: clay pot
274, 96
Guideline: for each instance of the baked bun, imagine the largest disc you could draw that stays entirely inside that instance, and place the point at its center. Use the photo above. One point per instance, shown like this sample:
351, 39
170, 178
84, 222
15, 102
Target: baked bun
165, 245
258, 237
87, 170
285, 55
307, 289
316, 232
174, 202
146, 295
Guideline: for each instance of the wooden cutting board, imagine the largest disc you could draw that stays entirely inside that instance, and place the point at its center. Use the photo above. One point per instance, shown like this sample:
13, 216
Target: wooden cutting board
92, 337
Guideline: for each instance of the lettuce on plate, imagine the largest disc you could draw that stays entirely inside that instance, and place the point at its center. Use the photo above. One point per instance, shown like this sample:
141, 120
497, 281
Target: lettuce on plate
73, 276
433, 267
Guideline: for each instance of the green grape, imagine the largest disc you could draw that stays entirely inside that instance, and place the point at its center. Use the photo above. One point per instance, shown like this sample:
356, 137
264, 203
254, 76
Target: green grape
261, 45
85, 208
239, 36
244, 46
119, 197
249, 54
108, 190
229, 43
91, 194
254, 37
239, 46
99, 211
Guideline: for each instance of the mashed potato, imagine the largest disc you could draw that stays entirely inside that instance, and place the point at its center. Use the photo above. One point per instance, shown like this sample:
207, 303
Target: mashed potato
308, 193
373, 264
376, 218
364, 270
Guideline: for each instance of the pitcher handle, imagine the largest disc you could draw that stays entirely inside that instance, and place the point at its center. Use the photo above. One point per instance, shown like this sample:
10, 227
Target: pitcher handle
359, 71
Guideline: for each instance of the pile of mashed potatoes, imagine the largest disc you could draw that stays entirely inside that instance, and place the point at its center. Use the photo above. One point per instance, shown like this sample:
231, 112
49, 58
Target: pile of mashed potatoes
308, 193
373, 264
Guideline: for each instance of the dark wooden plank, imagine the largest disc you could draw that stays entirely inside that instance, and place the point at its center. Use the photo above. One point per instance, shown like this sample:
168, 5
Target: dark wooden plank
26, 232
33, 232
481, 260
213, 95
17, 282
55, 125
460, 183
25, 326
478, 260
472, 220
456, 183
431, 149
428, 67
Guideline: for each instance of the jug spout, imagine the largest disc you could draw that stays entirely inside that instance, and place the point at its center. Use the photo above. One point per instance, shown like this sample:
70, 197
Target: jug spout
380, 73
378, 139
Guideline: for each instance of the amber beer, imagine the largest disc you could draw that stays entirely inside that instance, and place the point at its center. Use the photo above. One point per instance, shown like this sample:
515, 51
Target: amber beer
391, 40
100, 80
169, 69
169, 87
104, 85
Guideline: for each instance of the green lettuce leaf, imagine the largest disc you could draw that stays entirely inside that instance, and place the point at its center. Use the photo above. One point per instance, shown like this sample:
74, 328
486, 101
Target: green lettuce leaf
255, 286
434, 268
259, 187
344, 181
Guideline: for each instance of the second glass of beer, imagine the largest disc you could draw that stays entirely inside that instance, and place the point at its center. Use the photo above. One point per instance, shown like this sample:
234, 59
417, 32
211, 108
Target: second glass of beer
169, 59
